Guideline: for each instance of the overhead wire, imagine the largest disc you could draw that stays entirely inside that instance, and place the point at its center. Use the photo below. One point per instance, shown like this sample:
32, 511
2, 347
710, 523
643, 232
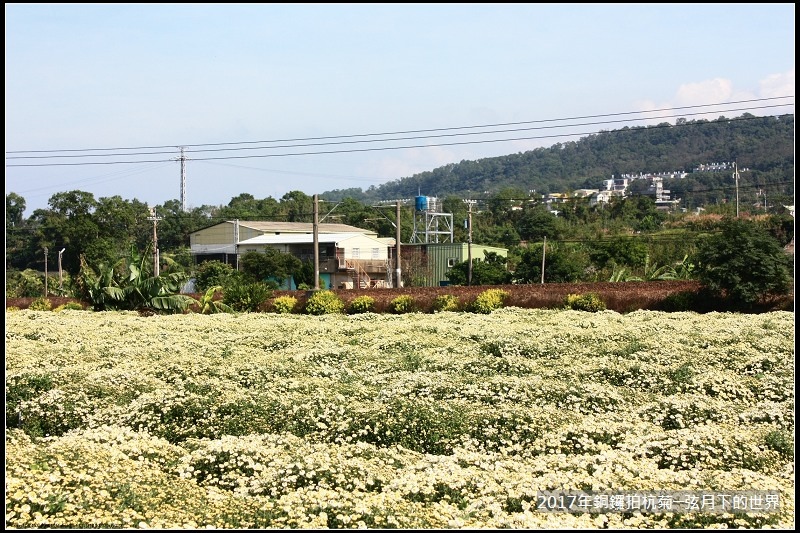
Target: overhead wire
427, 130
160, 162
194, 158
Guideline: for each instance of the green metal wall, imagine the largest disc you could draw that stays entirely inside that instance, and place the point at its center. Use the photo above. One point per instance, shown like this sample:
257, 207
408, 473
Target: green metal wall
442, 255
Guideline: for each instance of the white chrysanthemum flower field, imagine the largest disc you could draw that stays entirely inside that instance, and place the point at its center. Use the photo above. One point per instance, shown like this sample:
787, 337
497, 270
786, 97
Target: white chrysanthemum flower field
447, 420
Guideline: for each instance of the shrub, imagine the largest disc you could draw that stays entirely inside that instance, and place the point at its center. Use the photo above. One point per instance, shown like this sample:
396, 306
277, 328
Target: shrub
585, 302
26, 284
402, 304
324, 302
445, 302
488, 301
75, 306
244, 296
362, 304
679, 301
212, 273
780, 442
284, 304
744, 263
41, 304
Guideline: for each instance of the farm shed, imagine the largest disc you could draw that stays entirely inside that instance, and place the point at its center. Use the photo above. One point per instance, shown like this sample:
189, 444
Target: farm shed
346, 260
428, 264
349, 256
219, 242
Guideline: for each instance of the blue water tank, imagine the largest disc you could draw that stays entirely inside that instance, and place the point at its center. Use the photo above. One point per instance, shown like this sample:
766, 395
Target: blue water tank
421, 203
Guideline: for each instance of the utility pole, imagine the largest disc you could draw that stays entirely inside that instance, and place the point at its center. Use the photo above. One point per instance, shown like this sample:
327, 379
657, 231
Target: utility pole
182, 159
399, 282
60, 272
155, 219
316, 242
45, 271
544, 251
469, 242
736, 177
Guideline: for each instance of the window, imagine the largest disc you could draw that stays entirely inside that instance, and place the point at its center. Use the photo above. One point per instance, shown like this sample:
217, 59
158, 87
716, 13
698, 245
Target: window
375, 253
452, 262
356, 253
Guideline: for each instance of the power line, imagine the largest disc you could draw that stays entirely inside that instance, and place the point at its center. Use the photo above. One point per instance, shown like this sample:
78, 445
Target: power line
421, 130
378, 149
354, 142
386, 140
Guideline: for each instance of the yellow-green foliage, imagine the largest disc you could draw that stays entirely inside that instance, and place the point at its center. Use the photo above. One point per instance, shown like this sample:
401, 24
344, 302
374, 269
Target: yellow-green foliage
41, 304
585, 302
362, 304
75, 306
445, 302
12, 308
402, 304
488, 301
284, 304
324, 303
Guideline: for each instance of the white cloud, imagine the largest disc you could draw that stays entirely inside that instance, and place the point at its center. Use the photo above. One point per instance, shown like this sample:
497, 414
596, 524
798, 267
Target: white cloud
777, 85
716, 90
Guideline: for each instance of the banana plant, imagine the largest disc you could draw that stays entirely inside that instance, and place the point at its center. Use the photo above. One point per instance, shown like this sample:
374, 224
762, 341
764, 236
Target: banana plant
622, 274
658, 273
99, 286
684, 269
141, 290
208, 305
130, 285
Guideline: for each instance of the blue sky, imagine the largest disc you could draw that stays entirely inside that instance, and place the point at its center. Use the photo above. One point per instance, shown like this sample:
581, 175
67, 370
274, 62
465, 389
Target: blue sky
123, 76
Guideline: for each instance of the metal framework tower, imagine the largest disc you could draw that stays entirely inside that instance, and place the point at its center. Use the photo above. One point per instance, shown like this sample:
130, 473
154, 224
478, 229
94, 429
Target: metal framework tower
430, 225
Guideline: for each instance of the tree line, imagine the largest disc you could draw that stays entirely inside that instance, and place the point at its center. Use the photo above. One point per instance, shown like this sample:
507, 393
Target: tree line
628, 238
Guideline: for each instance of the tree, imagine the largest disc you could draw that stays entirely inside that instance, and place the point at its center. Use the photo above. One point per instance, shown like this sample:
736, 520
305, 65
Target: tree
491, 270
298, 206
619, 251
122, 224
563, 264
270, 264
304, 276
743, 263
15, 207
536, 223
17, 238
210, 274
177, 225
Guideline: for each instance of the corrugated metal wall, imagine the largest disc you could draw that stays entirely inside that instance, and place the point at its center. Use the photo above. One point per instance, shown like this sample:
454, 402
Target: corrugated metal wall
442, 256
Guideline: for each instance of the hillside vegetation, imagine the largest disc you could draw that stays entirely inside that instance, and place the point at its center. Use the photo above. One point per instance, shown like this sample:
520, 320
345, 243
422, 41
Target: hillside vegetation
764, 145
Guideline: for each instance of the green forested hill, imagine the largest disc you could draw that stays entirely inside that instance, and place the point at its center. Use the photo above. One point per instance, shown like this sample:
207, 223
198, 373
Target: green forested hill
763, 145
